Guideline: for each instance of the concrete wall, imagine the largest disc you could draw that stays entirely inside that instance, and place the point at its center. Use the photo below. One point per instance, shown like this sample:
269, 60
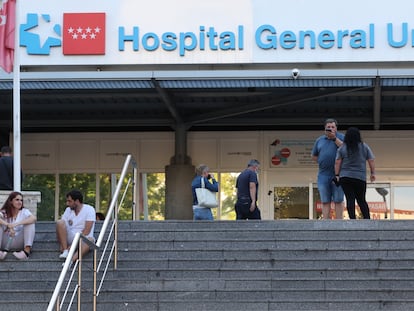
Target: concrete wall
285, 156
30, 199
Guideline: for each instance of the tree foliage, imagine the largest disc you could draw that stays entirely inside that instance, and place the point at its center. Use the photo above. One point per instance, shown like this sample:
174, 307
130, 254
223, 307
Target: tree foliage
228, 195
291, 202
46, 185
86, 183
156, 196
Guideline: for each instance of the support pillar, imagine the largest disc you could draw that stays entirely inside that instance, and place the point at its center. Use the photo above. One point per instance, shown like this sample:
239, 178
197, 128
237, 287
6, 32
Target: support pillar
178, 197
178, 176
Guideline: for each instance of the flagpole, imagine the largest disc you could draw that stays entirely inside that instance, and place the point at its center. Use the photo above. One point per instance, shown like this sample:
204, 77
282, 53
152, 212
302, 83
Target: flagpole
16, 104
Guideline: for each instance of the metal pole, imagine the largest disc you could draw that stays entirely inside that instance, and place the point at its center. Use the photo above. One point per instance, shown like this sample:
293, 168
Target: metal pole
311, 200
116, 242
95, 277
16, 105
144, 188
135, 205
79, 274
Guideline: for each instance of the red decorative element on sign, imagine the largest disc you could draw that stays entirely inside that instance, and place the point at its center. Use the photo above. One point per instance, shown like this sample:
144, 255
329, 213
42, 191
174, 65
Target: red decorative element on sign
84, 33
276, 160
285, 152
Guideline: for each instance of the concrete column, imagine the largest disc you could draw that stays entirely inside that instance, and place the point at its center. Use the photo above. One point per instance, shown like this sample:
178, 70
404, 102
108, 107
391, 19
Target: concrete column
377, 103
178, 196
178, 177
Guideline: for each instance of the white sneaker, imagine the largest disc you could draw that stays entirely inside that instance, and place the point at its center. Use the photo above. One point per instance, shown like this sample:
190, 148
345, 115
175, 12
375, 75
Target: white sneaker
20, 255
64, 254
3, 255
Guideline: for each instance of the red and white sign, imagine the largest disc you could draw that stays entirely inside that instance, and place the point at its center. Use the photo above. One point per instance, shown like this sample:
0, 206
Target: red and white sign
84, 33
374, 207
285, 152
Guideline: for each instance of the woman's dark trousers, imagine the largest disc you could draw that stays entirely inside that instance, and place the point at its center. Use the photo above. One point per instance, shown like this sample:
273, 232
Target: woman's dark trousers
355, 189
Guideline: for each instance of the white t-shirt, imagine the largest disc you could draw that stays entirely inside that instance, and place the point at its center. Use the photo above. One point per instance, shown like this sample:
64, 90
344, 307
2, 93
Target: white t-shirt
76, 223
22, 214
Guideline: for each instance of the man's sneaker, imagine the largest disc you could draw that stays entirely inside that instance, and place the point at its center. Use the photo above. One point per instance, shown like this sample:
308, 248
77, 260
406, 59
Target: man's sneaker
20, 255
3, 255
64, 254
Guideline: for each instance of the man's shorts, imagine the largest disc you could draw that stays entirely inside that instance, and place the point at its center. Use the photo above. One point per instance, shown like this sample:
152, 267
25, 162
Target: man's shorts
71, 235
328, 191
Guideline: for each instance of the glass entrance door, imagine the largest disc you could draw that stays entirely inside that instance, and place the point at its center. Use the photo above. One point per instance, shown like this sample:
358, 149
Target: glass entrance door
291, 202
377, 196
303, 202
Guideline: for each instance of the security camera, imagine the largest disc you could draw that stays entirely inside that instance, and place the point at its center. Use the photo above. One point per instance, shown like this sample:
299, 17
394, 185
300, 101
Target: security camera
295, 73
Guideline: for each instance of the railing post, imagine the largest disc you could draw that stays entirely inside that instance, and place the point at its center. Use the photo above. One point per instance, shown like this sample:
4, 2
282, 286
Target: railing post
144, 195
311, 216
135, 206
113, 210
116, 242
79, 274
95, 276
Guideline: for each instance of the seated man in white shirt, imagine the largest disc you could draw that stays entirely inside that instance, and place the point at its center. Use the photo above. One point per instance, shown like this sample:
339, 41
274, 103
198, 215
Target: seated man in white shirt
78, 217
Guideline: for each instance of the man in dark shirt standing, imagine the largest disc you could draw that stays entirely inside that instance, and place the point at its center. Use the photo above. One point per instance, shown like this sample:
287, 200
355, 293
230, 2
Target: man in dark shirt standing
6, 169
247, 188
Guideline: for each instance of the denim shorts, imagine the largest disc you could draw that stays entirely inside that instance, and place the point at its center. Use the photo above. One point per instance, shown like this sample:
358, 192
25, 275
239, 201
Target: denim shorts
328, 191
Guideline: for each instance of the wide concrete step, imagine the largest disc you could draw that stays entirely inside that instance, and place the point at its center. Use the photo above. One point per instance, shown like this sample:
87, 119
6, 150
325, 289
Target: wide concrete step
217, 305
229, 265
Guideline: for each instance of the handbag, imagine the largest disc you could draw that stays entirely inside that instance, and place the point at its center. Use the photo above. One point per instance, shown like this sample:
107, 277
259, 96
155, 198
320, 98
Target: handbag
205, 197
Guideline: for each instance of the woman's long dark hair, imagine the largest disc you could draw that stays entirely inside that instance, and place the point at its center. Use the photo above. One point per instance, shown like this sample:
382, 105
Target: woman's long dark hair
352, 140
8, 206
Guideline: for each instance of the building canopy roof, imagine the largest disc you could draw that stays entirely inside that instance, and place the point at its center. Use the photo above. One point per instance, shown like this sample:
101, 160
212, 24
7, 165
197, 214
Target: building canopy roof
209, 100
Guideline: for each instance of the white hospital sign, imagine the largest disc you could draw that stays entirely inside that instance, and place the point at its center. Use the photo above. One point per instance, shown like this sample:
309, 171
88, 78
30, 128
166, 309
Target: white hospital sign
226, 32
267, 37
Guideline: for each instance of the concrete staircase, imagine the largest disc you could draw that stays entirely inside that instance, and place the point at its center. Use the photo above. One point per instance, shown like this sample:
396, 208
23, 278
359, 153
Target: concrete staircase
248, 265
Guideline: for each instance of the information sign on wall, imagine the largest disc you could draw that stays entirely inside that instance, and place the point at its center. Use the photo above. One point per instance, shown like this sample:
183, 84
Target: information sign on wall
291, 153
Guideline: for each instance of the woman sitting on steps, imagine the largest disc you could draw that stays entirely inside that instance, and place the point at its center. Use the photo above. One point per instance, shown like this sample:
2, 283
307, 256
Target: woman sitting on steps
17, 227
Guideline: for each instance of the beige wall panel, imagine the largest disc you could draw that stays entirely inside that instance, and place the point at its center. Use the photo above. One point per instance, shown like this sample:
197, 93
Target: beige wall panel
77, 155
112, 153
38, 155
47, 153
155, 154
203, 152
392, 152
236, 153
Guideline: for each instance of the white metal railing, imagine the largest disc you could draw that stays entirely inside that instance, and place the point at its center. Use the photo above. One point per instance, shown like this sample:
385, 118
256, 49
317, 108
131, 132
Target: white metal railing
109, 249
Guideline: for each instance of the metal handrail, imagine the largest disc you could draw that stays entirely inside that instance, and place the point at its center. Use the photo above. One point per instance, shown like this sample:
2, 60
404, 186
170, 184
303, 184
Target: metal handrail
55, 301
